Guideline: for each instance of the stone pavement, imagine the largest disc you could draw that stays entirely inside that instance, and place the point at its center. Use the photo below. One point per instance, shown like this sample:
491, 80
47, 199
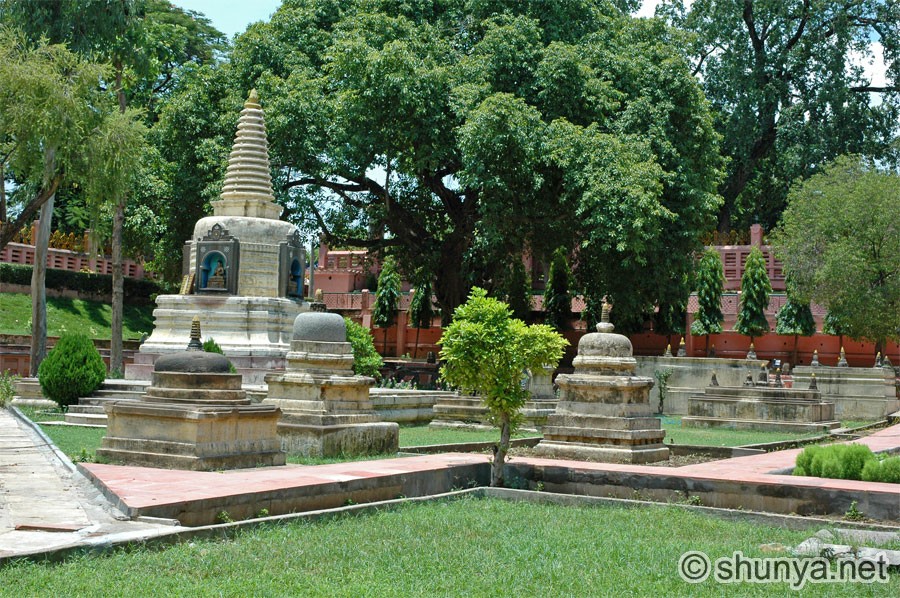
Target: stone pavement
45, 505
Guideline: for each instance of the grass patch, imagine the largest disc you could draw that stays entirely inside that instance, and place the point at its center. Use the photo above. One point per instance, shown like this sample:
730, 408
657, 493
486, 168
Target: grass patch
78, 443
722, 436
424, 436
481, 547
92, 318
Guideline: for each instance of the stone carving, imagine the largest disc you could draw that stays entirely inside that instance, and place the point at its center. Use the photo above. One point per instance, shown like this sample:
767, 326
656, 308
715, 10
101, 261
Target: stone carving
842, 362
815, 358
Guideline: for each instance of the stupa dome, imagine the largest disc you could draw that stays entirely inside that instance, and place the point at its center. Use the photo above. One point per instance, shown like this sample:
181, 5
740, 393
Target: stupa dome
321, 327
193, 362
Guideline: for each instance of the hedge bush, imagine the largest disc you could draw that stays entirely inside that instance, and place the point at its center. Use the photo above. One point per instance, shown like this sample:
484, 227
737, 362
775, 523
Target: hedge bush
85, 282
837, 461
882, 471
366, 360
73, 369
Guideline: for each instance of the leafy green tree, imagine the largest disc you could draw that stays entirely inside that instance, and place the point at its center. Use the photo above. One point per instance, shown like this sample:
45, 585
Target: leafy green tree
796, 319
515, 289
387, 298
710, 285
497, 126
485, 350
838, 240
366, 360
786, 83
558, 296
421, 312
755, 291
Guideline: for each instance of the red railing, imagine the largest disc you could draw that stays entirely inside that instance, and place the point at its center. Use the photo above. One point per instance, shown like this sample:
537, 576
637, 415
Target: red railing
63, 259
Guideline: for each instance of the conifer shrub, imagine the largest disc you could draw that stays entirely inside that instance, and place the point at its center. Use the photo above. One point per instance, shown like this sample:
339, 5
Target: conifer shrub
366, 360
838, 461
882, 471
73, 369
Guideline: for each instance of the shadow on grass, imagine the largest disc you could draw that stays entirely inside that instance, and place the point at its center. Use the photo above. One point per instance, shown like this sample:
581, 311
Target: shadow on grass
66, 304
94, 312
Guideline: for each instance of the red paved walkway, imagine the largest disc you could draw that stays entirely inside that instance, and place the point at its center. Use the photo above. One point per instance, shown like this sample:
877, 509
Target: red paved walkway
140, 488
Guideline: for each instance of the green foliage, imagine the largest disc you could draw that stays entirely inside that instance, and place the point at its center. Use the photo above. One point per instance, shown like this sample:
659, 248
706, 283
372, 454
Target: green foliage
785, 82
366, 360
73, 369
558, 296
886, 470
662, 381
710, 282
421, 312
138, 291
211, 346
838, 241
7, 387
486, 351
515, 288
836, 461
755, 291
795, 319
387, 297
833, 325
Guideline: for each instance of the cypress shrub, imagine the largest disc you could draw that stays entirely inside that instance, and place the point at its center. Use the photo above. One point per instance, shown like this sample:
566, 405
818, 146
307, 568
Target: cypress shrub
837, 461
882, 471
73, 369
755, 291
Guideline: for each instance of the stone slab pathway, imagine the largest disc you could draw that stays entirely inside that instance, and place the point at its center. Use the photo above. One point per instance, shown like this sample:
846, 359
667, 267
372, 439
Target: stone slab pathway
44, 505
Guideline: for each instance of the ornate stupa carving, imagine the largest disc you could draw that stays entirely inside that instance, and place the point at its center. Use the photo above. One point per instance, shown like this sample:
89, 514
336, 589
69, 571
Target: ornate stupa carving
604, 411
245, 267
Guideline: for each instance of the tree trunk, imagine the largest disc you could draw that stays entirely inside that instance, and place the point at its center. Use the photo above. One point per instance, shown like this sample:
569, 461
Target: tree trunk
416, 348
500, 451
2, 193
118, 297
796, 350
39, 289
384, 343
450, 288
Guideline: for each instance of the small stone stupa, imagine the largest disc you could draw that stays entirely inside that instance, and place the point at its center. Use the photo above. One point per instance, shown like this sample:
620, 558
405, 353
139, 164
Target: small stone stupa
194, 416
244, 268
604, 411
325, 407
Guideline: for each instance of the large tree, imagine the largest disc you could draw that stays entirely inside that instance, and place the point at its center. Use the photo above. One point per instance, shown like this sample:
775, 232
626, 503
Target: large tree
461, 132
787, 82
839, 241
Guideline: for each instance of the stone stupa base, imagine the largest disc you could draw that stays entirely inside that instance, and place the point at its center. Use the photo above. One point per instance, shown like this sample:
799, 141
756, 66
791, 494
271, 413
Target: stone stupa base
603, 438
192, 437
337, 436
578, 451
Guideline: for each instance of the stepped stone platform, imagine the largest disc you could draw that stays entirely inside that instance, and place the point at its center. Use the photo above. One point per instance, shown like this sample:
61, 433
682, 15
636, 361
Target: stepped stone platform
761, 408
857, 393
407, 406
91, 411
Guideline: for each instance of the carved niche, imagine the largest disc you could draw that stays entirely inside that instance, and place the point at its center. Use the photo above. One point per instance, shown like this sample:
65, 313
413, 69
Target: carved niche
218, 261
291, 266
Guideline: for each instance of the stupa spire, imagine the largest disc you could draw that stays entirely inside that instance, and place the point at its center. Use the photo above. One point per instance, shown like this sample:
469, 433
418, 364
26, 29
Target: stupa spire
247, 190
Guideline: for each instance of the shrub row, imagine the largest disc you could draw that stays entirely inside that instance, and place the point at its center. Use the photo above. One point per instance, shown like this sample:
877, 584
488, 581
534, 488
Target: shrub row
847, 462
85, 282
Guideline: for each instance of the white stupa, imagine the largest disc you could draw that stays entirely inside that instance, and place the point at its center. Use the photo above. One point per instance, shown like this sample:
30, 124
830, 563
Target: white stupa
245, 279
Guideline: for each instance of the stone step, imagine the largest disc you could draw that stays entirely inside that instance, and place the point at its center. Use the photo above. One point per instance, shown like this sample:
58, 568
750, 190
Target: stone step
86, 419
87, 409
107, 394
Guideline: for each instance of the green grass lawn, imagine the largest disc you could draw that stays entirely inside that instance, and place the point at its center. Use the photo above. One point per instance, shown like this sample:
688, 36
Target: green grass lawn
73, 315
722, 436
468, 547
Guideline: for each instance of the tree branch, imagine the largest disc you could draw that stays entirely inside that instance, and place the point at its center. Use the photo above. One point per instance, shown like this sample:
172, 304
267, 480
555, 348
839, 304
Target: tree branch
8, 230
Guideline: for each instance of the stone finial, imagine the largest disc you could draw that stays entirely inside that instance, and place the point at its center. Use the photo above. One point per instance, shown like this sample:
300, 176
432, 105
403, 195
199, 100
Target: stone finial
812, 382
195, 344
252, 100
712, 351
778, 382
877, 360
751, 353
886, 363
247, 190
842, 362
714, 381
682, 352
604, 324
748, 381
668, 351
763, 376
815, 359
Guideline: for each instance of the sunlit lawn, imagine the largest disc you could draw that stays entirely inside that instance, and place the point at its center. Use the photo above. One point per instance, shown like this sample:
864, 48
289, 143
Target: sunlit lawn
72, 315
469, 547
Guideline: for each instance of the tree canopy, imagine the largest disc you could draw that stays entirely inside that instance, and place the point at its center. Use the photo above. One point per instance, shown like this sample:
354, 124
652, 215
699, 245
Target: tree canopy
839, 241
788, 87
456, 133
755, 291
710, 285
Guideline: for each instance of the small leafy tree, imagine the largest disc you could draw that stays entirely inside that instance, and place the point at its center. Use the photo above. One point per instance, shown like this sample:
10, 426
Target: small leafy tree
421, 312
710, 285
387, 298
834, 325
485, 350
73, 369
558, 297
795, 318
366, 360
755, 291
